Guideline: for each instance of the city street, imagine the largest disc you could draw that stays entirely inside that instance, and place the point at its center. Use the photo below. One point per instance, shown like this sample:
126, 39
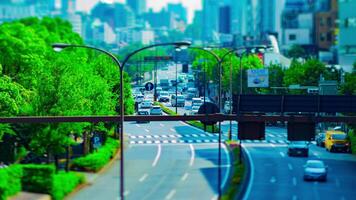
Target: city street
164, 160
275, 175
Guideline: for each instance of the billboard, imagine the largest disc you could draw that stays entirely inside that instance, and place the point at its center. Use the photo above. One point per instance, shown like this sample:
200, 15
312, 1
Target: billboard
257, 78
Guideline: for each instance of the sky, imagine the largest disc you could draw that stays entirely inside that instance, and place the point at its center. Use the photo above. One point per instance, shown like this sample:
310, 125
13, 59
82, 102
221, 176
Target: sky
191, 5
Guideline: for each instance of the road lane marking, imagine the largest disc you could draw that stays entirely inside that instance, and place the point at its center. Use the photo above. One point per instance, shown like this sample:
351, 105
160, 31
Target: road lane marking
147, 130
228, 165
192, 155
170, 194
138, 125
126, 193
252, 174
282, 154
272, 145
157, 156
184, 177
143, 178
290, 167
294, 181
173, 130
162, 125
294, 197
273, 179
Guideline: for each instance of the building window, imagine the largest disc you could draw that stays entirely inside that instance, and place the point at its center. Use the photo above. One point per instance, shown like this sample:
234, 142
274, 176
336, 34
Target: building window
322, 37
321, 22
292, 37
329, 21
329, 37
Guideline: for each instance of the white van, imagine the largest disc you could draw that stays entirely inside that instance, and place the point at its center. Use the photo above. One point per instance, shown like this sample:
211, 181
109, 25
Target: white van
178, 100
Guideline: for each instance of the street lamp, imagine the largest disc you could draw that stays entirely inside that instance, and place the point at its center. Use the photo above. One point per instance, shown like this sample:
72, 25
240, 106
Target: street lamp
60, 46
218, 60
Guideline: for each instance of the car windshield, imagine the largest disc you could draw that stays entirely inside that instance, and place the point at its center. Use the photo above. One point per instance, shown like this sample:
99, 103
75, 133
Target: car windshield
339, 136
164, 93
180, 97
315, 165
195, 107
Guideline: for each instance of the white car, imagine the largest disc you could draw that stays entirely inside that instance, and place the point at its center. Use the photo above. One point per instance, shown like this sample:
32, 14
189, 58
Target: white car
315, 170
194, 110
146, 104
139, 98
156, 110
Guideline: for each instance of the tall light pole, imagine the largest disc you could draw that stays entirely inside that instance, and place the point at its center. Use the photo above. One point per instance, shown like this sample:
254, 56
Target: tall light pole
59, 47
218, 60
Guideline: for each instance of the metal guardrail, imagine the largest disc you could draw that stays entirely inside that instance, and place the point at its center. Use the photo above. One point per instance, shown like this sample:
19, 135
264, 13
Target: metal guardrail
210, 117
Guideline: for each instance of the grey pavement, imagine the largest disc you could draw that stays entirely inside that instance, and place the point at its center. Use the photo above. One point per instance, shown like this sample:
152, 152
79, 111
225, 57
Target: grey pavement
163, 170
277, 176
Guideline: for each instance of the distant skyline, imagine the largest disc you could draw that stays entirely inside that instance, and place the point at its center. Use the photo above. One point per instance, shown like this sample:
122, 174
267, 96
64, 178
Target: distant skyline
156, 5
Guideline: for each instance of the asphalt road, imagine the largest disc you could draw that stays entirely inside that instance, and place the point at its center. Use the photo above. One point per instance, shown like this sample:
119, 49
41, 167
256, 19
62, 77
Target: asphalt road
277, 176
164, 160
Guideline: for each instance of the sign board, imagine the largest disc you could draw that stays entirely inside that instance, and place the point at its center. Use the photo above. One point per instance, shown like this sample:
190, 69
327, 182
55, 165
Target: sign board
149, 86
301, 131
257, 78
158, 58
251, 131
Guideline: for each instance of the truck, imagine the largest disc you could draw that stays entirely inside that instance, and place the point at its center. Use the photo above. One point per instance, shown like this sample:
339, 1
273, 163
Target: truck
164, 84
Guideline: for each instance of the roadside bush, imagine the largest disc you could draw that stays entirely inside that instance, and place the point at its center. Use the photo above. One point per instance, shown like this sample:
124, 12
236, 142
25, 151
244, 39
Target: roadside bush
38, 178
65, 183
237, 175
352, 135
95, 161
10, 181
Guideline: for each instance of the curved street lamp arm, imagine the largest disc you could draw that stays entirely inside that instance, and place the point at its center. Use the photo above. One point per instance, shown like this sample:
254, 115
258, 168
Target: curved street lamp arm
60, 46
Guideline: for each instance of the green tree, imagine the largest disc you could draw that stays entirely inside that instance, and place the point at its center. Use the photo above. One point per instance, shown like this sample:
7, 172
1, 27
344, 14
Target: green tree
296, 51
73, 82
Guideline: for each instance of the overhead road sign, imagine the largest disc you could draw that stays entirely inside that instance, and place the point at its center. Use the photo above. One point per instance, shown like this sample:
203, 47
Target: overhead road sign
257, 78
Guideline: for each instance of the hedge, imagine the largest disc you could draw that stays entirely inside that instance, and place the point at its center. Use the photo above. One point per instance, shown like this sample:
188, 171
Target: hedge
95, 161
237, 174
65, 183
43, 179
38, 178
196, 124
352, 135
10, 181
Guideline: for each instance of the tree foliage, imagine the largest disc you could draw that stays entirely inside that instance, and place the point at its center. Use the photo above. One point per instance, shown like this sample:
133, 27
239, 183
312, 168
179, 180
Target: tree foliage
38, 81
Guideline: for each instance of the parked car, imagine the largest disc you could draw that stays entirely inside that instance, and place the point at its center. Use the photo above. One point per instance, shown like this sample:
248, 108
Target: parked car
337, 141
194, 110
320, 140
142, 112
163, 96
156, 110
298, 148
178, 100
146, 104
315, 170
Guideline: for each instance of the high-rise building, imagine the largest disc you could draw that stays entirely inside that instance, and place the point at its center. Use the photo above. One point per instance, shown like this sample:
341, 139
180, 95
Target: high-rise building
68, 6
123, 16
179, 11
271, 13
160, 19
225, 19
325, 26
210, 20
346, 39
137, 6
